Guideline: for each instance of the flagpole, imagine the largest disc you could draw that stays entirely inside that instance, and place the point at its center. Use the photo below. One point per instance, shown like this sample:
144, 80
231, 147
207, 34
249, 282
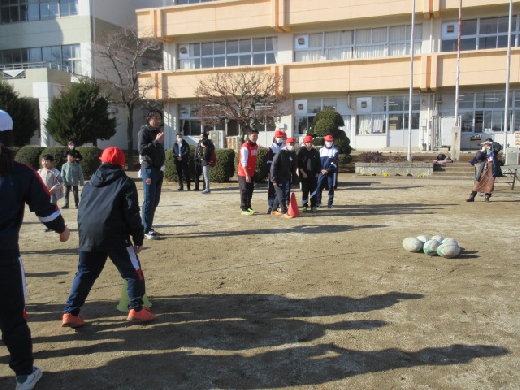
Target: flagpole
508, 72
412, 49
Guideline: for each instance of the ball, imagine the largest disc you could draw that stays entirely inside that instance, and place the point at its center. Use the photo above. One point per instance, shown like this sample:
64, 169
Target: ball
412, 244
448, 250
423, 238
450, 241
430, 247
438, 238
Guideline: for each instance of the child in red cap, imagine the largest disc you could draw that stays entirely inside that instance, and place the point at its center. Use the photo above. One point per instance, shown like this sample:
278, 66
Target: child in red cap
109, 225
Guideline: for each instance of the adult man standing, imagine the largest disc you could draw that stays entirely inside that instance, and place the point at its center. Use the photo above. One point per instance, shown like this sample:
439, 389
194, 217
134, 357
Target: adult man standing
20, 185
151, 154
181, 155
309, 167
246, 171
109, 225
329, 170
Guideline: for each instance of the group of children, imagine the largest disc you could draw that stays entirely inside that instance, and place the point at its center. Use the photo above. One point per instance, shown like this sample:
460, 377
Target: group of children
60, 184
316, 170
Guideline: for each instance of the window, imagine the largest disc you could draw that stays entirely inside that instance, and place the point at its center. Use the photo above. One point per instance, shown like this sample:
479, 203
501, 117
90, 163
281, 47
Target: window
363, 43
482, 33
484, 111
257, 51
12, 11
66, 58
388, 112
304, 123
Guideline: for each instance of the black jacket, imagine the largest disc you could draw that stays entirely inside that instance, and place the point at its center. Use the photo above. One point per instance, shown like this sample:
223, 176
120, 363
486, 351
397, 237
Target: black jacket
185, 152
24, 186
309, 162
151, 151
283, 168
109, 211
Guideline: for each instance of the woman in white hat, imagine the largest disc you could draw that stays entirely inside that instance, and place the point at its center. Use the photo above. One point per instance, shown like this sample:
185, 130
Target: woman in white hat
487, 169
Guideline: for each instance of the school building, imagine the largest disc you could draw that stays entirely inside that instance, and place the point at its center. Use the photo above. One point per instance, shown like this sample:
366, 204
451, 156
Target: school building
353, 56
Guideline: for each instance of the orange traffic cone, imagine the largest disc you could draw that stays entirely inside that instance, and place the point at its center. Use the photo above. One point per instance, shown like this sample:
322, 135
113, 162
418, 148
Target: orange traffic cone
293, 210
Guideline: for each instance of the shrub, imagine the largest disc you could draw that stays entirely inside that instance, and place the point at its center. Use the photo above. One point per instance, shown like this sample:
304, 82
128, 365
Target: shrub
225, 167
370, 157
220, 174
344, 159
90, 161
30, 155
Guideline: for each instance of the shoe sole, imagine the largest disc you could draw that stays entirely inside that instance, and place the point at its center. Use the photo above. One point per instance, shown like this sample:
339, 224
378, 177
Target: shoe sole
71, 325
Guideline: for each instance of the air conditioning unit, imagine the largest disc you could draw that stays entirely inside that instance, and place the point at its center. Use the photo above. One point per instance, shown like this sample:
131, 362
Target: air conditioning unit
301, 41
364, 105
184, 51
300, 107
450, 30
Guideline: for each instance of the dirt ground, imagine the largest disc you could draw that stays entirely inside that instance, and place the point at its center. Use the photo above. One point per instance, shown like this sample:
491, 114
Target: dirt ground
325, 301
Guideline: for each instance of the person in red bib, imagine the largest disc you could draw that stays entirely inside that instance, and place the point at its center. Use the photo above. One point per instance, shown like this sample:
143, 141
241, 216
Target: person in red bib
246, 171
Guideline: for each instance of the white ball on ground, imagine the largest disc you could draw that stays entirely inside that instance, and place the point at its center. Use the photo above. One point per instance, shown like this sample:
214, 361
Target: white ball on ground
412, 244
438, 238
448, 250
423, 238
430, 247
450, 241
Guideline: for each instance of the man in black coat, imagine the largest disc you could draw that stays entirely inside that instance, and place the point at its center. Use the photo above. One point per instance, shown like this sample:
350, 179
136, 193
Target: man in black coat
181, 156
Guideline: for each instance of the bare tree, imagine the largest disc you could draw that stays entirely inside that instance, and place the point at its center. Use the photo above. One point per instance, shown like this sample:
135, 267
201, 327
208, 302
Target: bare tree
119, 56
251, 98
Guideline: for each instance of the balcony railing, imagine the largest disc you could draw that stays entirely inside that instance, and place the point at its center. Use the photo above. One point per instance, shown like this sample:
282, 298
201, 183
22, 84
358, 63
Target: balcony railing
17, 71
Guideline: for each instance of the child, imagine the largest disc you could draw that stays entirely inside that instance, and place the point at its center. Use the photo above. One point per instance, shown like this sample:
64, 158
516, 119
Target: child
72, 175
329, 171
51, 178
283, 170
109, 225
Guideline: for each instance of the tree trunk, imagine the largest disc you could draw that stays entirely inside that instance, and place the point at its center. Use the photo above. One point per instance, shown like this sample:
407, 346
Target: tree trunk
130, 138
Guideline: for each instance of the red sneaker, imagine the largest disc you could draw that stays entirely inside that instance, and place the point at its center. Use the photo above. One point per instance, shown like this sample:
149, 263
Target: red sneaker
72, 321
145, 315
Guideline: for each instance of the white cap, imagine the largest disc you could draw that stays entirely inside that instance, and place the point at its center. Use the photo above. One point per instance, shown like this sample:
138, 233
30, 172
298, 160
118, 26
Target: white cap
6, 122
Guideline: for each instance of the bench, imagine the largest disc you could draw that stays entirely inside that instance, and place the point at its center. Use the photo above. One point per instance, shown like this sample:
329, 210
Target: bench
510, 172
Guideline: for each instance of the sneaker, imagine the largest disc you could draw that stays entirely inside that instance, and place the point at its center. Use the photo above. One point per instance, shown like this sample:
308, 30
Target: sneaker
65, 207
276, 213
145, 315
305, 208
246, 212
251, 210
27, 382
269, 210
314, 209
72, 321
154, 232
318, 204
151, 235
330, 206
287, 216
205, 192
47, 230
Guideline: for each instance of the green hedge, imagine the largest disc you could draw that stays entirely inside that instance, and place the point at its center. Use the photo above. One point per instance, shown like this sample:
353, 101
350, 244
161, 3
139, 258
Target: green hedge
90, 161
30, 155
224, 170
